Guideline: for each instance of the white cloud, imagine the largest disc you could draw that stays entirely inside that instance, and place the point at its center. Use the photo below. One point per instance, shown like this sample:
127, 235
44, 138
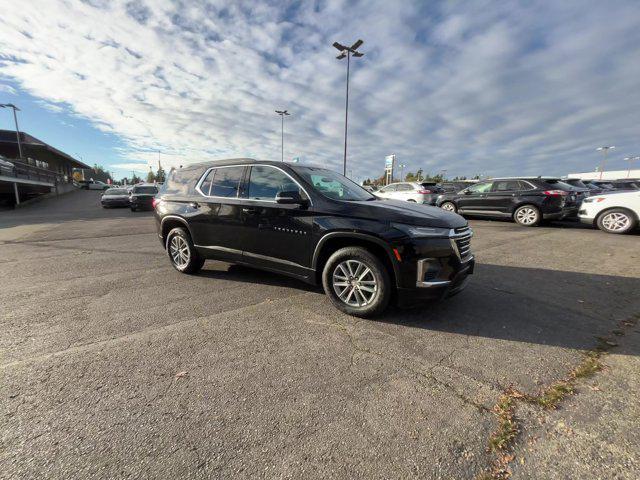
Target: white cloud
473, 87
8, 89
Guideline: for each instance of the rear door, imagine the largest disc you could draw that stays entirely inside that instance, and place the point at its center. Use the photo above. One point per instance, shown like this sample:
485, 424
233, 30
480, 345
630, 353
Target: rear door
387, 192
405, 191
503, 196
217, 224
279, 236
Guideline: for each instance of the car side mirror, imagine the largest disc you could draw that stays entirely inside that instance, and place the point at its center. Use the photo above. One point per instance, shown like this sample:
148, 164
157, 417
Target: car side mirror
466, 191
291, 198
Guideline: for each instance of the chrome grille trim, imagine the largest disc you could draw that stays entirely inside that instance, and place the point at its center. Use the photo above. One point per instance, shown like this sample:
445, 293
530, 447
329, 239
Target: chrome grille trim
461, 242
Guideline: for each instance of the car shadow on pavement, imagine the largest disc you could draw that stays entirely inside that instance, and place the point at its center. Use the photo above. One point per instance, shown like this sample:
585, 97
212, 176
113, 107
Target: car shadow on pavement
540, 306
532, 305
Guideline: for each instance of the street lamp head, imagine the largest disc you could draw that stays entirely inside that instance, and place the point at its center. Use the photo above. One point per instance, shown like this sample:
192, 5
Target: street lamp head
344, 51
9, 105
606, 147
282, 112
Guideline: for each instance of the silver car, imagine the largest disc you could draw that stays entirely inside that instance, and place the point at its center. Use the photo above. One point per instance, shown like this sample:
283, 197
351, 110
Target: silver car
410, 192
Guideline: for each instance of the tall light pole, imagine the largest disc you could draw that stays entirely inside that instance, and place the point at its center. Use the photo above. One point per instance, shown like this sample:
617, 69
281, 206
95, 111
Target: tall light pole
347, 52
605, 152
630, 159
15, 119
282, 114
402, 165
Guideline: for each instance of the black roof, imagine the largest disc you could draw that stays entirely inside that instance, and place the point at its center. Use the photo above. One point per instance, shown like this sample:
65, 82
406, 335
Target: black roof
9, 137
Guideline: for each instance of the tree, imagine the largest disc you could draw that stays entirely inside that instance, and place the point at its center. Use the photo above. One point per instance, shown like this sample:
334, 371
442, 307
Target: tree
160, 175
151, 176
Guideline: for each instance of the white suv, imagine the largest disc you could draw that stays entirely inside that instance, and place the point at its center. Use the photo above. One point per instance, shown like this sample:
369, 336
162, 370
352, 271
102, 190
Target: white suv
411, 192
613, 212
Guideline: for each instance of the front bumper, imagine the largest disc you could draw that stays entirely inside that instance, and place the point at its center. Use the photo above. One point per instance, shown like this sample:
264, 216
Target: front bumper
436, 289
115, 203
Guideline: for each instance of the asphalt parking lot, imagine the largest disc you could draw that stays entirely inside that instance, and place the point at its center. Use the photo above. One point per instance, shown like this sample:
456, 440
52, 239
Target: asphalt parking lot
114, 365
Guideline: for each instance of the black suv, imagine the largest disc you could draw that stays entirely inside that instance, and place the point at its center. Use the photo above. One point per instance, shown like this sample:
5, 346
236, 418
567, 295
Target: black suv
315, 225
141, 197
526, 200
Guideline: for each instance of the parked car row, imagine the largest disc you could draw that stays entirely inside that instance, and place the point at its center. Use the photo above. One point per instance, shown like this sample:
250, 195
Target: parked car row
136, 197
531, 200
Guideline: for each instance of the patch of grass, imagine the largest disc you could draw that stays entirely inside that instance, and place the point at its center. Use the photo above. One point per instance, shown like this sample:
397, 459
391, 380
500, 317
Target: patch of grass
589, 366
507, 429
552, 396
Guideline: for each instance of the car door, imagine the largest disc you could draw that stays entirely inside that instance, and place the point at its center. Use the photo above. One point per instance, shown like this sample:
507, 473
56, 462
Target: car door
217, 224
502, 196
474, 197
279, 234
404, 191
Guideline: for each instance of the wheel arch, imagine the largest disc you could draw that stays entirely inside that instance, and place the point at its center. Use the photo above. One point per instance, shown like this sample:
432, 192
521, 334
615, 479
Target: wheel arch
168, 223
334, 241
633, 214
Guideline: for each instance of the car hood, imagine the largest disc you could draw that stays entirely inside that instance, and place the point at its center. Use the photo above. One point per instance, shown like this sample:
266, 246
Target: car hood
410, 213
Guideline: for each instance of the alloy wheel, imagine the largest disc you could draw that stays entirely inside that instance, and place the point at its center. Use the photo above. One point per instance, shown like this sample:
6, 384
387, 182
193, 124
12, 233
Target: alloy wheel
527, 216
179, 251
615, 222
354, 283
449, 207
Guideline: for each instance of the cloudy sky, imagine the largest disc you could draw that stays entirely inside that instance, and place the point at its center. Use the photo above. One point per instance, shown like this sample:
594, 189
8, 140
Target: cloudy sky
473, 87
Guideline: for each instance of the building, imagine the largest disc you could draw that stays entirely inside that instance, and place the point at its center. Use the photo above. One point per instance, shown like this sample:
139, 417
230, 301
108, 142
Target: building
610, 175
43, 169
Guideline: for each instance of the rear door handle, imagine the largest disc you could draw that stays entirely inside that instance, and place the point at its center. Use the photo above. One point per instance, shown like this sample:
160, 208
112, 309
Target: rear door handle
249, 210
194, 205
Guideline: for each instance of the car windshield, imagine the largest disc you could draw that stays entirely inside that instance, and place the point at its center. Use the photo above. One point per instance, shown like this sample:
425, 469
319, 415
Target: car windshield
116, 191
576, 183
152, 190
333, 185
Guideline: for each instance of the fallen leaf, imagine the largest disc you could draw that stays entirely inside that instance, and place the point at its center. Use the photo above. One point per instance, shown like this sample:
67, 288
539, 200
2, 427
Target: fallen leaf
181, 374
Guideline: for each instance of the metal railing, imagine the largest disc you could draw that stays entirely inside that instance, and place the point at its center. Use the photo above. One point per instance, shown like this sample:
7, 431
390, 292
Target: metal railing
21, 170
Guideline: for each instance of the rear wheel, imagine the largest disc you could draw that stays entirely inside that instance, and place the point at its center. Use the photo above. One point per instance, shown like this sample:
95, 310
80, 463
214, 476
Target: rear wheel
357, 282
449, 207
527, 216
183, 255
616, 220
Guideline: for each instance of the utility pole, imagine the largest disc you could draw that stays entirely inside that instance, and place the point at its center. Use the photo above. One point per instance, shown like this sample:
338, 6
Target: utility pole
347, 52
630, 159
282, 114
15, 119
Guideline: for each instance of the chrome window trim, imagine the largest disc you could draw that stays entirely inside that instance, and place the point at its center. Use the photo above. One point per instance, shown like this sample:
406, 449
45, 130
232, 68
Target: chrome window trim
204, 175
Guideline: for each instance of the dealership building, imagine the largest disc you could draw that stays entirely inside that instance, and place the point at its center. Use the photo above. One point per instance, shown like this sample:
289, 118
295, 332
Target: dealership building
30, 168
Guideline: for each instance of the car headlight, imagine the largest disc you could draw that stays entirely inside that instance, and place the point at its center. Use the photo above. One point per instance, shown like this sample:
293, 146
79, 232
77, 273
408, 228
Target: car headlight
589, 199
415, 231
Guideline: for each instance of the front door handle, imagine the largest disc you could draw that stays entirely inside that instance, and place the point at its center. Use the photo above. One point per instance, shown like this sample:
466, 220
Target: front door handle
194, 205
249, 210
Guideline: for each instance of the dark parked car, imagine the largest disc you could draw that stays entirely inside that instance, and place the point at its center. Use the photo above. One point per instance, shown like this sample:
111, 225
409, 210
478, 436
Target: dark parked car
115, 197
141, 197
526, 200
454, 187
315, 225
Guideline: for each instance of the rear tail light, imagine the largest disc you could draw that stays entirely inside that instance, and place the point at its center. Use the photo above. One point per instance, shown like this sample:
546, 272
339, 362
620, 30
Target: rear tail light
424, 192
155, 202
555, 193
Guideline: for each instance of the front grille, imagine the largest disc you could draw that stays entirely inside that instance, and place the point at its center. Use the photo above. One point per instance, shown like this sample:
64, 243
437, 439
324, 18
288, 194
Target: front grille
462, 239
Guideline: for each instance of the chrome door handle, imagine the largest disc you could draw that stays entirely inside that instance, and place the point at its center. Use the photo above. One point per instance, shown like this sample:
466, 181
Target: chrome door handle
194, 205
249, 210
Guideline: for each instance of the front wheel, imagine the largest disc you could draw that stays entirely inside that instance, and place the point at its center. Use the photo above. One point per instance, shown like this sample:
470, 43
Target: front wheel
527, 216
616, 220
183, 255
449, 207
357, 282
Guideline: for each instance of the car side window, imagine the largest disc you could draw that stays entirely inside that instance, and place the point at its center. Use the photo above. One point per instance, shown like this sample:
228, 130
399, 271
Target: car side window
205, 186
404, 187
506, 186
266, 182
226, 181
480, 187
526, 185
388, 188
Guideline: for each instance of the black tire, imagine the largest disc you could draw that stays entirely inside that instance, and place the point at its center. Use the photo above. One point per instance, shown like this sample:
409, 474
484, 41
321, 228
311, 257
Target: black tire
373, 303
451, 207
194, 261
527, 216
617, 220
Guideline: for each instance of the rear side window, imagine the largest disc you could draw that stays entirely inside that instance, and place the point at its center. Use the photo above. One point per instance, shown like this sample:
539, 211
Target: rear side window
182, 181
404, 187
226, 181
146, 190
266, 182
388, 188
559, 185
506, 186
